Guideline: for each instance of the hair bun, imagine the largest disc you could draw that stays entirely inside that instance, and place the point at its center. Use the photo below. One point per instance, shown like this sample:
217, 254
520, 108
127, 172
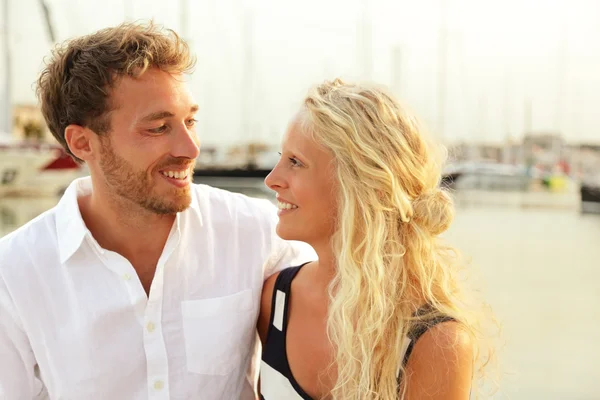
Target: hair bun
433, 211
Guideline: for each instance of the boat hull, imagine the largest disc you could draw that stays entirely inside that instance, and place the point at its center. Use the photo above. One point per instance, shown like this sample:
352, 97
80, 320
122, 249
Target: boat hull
590, 198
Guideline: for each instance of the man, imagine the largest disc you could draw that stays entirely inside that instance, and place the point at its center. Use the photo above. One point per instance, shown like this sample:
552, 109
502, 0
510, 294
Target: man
138, 284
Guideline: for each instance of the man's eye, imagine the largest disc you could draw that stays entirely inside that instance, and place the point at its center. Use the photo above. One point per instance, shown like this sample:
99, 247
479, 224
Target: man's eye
160, 129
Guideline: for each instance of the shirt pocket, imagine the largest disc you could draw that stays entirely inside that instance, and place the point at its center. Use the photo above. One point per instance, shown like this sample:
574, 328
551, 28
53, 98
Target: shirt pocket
218, 332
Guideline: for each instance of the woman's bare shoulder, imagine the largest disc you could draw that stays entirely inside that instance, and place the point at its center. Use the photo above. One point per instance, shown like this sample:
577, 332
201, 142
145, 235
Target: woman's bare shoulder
441, 364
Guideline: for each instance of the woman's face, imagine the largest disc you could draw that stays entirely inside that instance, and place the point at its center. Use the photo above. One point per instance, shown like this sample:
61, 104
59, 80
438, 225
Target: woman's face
305, 182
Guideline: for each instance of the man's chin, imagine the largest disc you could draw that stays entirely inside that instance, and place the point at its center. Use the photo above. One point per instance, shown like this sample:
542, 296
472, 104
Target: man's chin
162, 207
182, 206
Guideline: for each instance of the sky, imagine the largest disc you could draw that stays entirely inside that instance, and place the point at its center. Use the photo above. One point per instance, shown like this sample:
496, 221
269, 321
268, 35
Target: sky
471, 70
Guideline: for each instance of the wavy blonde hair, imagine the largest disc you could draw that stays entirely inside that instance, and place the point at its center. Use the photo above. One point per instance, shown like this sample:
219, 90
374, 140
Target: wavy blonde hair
390, 260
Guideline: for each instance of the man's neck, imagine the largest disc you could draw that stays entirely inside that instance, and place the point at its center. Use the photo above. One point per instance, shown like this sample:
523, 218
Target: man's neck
127, 229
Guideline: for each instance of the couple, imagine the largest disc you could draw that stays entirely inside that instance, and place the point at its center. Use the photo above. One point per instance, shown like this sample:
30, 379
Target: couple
142, 285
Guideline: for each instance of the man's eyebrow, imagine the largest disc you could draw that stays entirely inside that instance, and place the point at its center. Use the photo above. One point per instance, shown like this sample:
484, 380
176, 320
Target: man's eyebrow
157, 115
165, 114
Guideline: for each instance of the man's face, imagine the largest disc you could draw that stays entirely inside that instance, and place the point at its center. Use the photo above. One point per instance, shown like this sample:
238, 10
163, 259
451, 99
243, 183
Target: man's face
148, 156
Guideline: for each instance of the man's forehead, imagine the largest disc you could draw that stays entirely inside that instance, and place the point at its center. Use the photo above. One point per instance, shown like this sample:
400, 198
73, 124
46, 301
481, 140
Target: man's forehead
151, 80
152, 93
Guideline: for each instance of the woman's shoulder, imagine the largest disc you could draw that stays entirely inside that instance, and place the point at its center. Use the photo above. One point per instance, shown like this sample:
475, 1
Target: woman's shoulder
447, 336
442, 362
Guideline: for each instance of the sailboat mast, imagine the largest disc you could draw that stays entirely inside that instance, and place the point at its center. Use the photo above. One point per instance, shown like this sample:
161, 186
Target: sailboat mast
6, 111
364, 41
184, 20
128, 10
397, 70
442, 68
248, 71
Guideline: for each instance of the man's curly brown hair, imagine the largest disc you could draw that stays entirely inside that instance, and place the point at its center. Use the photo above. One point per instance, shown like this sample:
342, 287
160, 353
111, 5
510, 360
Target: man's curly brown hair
75, 86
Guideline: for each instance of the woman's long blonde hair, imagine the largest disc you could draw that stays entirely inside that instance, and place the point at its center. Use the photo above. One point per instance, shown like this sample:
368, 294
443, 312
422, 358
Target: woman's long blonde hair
391, 210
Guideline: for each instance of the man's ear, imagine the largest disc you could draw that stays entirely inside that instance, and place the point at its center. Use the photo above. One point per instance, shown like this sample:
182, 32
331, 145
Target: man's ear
79, 139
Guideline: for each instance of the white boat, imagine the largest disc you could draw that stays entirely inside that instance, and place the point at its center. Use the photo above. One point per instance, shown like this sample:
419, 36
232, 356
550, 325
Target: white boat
33, 169
486, 175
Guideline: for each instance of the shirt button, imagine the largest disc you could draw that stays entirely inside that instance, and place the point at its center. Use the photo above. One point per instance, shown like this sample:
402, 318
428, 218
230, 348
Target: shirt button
158, 385
127, 277
150, 327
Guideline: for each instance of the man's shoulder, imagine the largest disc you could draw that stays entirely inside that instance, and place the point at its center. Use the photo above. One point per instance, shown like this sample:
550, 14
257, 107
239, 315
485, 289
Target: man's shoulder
18, 246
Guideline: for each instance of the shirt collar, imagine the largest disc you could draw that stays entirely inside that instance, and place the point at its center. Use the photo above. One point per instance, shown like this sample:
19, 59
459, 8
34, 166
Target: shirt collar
70, 228
195, 204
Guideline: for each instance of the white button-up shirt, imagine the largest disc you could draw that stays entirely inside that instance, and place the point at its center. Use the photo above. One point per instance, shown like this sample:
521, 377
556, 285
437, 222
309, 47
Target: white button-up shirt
76, 323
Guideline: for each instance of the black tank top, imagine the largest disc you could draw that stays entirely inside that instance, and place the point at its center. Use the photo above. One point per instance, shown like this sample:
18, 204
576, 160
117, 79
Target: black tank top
276, 379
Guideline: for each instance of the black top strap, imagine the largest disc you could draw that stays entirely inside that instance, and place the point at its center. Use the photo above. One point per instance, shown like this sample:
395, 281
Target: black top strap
284, 280
283, 283
418, 330
274, 350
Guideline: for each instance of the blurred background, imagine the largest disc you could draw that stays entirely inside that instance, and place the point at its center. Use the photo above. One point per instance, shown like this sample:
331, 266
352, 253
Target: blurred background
512, 89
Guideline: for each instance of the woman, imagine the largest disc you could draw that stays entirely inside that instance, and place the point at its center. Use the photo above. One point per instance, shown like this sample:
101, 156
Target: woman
380, 314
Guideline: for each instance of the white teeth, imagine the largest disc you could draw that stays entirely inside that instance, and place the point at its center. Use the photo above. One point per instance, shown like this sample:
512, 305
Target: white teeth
176, 174
285, 206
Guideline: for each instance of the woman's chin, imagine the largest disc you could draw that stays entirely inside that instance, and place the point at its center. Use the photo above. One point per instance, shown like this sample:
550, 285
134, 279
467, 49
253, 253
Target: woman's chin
287, 232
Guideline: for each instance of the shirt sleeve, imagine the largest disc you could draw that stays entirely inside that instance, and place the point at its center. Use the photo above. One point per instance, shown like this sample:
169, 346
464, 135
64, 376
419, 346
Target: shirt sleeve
284, 253
17, 363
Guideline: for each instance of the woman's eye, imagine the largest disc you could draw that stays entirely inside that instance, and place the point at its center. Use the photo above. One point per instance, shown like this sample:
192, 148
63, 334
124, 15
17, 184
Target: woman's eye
294, 161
